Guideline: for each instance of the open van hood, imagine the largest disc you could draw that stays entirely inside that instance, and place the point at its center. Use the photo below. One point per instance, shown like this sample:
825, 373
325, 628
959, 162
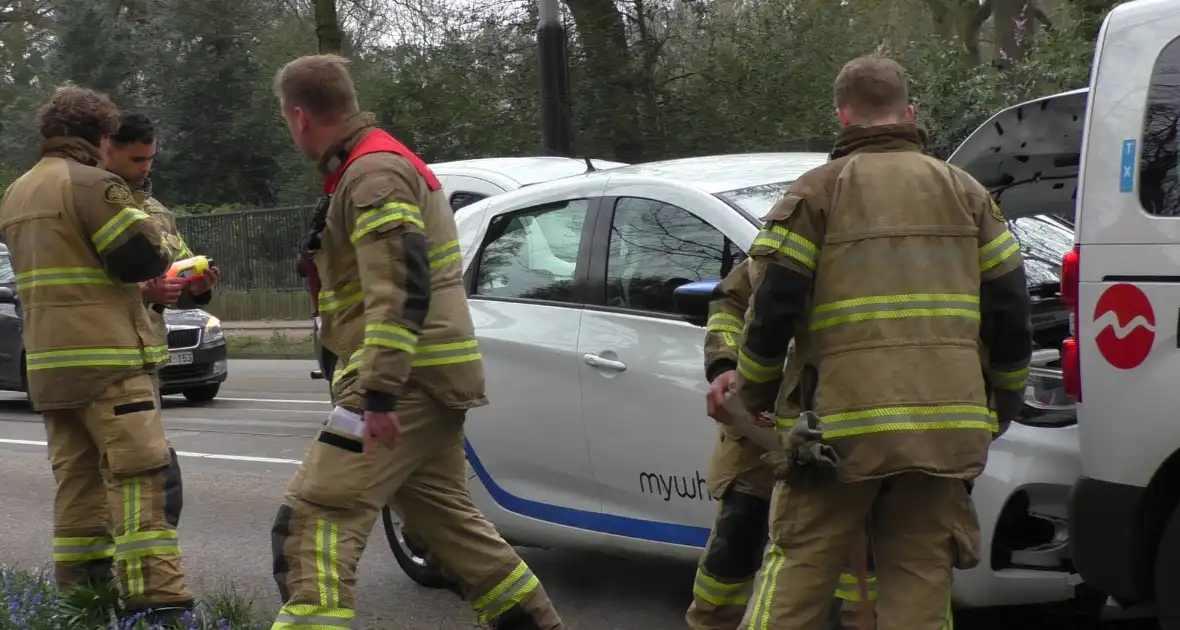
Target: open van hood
1028, 155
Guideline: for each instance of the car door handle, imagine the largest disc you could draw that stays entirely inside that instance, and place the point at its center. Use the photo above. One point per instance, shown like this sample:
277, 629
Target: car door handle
596, 361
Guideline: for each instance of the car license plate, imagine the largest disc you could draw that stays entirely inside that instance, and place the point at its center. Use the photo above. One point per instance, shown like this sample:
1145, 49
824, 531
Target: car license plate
180, 358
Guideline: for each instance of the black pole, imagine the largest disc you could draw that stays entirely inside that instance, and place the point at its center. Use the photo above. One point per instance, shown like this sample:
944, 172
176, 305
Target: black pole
556, 121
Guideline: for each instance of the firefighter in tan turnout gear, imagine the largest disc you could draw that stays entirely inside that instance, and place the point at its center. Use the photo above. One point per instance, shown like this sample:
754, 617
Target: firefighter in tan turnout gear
130, 156
394, 310
741, 480
79, 247
889, 269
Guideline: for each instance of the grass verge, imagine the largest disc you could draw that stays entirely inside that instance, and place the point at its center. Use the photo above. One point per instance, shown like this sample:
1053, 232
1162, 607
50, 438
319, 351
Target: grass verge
269, 344
30, 602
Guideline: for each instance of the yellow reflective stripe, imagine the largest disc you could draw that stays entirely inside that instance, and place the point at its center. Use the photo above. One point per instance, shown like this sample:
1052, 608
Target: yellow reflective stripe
143, 544
327, 572
719, 593
724, 322
789, 244
83, 549
1015, 380
949, 622
155, 354
310, 617
436, 354
57, 276
894, 307
118, 224
132, 513
349, 293
390, 336
910, 418
354, 364
370, 220
85, 357
443, 254
849, 590
756, 372
1000, 248
759, 615
506, 594
729, 340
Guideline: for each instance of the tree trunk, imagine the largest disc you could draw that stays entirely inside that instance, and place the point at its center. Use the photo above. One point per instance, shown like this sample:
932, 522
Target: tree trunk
1014, 25
327, 28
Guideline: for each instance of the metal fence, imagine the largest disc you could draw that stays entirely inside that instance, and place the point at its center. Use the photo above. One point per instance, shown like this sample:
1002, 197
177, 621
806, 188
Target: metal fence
255, 249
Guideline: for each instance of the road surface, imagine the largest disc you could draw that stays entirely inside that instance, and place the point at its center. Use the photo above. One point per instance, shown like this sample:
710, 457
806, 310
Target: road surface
237, 454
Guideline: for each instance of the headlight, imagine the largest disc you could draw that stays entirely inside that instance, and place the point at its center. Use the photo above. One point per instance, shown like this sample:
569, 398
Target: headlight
213, 332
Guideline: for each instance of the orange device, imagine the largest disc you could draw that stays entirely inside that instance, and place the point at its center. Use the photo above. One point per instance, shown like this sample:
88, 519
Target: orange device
189, 269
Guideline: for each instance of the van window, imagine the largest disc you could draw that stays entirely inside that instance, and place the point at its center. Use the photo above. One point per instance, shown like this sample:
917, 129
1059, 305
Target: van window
1159, 181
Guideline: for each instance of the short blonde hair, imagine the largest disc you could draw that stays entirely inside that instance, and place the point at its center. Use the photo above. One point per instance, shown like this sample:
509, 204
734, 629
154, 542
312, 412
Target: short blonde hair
319, 84
872, 85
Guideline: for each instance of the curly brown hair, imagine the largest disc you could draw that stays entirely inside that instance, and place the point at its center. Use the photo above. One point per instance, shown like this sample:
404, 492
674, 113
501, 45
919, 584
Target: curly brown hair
80, 112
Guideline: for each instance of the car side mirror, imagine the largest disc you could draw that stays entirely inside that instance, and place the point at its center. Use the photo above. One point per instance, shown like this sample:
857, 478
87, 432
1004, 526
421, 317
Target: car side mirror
692, 300
7, 296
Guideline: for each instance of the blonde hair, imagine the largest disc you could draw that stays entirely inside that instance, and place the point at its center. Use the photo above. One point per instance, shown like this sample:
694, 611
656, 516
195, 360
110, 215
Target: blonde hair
872, 86
318, 84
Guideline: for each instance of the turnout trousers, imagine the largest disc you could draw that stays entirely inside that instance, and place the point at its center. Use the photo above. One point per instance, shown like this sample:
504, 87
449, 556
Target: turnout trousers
115, 510
921, 526
333, 501
742, 482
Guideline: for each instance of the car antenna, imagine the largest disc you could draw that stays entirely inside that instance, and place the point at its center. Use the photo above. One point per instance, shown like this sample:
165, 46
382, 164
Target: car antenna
589, 165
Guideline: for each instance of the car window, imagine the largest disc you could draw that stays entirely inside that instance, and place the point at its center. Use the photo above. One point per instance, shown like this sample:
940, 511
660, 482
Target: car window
1159, 181
533, 253
463, 198
6, 274
757, 200
656, 247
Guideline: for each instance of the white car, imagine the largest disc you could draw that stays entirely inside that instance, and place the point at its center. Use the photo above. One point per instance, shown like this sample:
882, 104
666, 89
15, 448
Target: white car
596, 435
468, 181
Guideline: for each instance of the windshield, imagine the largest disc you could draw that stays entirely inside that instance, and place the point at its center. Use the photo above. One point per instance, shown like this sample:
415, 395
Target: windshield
756, 201
6, 274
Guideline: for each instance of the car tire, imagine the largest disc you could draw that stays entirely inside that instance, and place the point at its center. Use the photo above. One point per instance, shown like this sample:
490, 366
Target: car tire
414, 559
202, 394
1167, 575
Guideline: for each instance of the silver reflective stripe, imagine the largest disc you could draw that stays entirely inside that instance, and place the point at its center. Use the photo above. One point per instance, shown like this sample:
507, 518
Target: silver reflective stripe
512, 595
313, 621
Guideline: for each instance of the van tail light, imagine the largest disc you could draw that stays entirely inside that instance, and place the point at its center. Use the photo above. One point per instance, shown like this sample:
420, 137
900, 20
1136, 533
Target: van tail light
1071, 366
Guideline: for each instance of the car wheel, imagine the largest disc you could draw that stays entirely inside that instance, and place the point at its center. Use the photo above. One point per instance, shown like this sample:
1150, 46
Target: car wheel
1167, 575
202, 394
412, 556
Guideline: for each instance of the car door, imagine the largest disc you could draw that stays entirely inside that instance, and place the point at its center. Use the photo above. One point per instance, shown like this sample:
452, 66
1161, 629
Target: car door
11, 327
528, 446
642, 370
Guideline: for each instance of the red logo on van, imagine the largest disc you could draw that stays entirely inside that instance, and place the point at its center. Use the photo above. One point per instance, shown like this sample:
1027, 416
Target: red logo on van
1126, 326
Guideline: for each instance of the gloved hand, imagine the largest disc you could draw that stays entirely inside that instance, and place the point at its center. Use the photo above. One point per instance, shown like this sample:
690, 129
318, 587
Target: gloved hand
805, 441
1009, 404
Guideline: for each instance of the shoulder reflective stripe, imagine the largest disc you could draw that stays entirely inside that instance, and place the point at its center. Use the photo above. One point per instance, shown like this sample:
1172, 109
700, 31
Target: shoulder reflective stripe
894, 307
508, 593
443, 254
720, 593
327, 572
756, 372
309, 617
394, 211
1015, 380
436, 354
724, 322
390, 336
86, 357
789, 244
83, 549
886, 419
56, 276
349, 293
997, 251
118, 224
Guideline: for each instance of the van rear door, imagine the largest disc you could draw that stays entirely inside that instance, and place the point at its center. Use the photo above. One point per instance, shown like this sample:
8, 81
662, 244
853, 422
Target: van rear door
1128, 238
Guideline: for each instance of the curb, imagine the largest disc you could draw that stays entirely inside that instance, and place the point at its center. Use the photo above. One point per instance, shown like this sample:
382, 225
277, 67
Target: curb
270, 355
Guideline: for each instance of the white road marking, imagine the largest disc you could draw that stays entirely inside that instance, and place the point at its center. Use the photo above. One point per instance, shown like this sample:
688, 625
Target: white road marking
236, 458
273, 400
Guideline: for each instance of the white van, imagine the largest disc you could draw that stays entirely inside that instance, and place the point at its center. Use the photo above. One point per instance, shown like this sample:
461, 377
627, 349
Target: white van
1122, 283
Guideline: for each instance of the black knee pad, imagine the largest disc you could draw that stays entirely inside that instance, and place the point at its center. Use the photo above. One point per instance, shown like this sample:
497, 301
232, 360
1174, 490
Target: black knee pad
740, 533
278, 538
173, 490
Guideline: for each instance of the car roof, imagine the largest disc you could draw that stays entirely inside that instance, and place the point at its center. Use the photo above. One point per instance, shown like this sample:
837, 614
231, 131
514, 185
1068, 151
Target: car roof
721, 173
523, 170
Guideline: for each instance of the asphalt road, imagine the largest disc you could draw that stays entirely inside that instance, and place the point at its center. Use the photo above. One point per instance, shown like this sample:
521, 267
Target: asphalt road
237, 454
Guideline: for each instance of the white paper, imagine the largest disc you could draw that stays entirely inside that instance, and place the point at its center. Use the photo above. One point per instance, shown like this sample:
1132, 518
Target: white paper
347, 422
